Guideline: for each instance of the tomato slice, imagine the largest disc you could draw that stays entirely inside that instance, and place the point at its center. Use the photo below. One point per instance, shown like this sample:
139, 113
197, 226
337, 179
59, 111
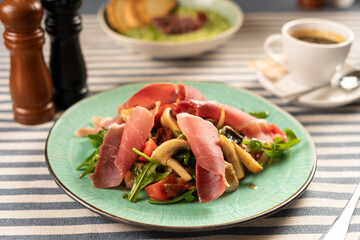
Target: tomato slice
150, 146
167, 188
157, 190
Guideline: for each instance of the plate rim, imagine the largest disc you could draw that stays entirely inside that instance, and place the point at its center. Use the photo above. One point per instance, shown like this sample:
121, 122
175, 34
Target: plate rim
197, 228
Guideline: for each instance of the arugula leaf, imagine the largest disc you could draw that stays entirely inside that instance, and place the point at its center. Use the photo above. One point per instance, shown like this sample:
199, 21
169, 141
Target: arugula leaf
187, 196
253, 145
259, 114
97, 139
185, 158
181, 135
146, 176
91, 161
274, 149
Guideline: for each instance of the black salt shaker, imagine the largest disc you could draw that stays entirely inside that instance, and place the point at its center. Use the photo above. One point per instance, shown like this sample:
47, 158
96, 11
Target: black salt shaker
67, 65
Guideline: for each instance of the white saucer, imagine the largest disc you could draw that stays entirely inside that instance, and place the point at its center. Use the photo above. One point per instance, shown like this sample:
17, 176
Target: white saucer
324, 97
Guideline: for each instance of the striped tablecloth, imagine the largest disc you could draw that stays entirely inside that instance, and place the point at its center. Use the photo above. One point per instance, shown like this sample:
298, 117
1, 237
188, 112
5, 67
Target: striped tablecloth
33, 207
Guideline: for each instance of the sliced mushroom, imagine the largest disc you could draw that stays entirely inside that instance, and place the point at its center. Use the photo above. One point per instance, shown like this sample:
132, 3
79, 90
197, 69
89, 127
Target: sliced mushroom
263, 158
246, 159
164, 152
231, 156
167, 120
231, 178
231, 134
221, 121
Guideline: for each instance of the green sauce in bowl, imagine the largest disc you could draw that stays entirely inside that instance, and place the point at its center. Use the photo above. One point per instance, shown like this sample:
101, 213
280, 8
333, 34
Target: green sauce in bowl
216, 24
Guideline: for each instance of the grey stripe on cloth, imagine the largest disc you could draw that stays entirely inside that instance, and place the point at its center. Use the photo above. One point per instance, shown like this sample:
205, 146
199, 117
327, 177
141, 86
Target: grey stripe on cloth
39, 210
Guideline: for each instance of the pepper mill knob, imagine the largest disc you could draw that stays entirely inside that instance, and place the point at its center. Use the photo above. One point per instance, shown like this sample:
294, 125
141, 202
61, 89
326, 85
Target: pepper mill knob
30, 81
67, 65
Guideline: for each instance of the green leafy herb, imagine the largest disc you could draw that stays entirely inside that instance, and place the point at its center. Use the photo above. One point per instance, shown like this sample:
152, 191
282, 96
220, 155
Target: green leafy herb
97, 139
180, 135
259, 114
274, 149
188, 196
91, 161
144, 177
254, 145
185, 158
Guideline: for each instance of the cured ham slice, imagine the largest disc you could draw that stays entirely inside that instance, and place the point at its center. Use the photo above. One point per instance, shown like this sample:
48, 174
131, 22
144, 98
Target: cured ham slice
188, 92
152, 97
150, 94
137, 129
106, 174
240, 120
204, 142
164, 93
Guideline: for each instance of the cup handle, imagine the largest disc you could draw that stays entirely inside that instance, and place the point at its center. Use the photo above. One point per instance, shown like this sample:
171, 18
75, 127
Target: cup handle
270, 40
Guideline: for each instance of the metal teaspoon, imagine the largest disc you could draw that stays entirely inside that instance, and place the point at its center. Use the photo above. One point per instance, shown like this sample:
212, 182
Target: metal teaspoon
350, 80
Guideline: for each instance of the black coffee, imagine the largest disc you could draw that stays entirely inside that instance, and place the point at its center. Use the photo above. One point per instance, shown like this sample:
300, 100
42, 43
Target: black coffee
317, 40
317, 36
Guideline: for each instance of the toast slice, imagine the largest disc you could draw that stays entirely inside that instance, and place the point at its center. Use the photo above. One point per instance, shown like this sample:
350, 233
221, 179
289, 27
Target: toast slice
114, 12
149, 9
130, 15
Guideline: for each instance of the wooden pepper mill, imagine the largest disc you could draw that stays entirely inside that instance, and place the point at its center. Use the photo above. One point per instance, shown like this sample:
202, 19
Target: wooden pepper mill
30, 81
67, 66
311, 4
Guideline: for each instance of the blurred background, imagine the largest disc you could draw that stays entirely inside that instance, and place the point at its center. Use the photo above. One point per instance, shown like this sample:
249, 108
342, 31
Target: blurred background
91, 6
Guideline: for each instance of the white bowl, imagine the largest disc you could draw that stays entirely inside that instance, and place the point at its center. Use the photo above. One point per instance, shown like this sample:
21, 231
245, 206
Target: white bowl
170, 50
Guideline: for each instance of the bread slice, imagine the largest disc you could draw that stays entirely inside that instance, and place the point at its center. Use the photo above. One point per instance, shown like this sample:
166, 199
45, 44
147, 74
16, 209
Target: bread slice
114, 12
130, 16
149, 9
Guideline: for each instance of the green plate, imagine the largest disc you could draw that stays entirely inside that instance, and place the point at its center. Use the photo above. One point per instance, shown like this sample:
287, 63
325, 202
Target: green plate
278, 184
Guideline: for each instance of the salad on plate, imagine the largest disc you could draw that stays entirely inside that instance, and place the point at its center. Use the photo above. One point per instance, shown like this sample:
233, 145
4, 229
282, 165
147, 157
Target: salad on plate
172, 142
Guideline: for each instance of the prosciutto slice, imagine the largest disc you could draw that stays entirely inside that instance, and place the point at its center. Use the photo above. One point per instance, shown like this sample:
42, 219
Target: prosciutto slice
240, 120
137, 129
106, 174
152, 97
188, 92
148, 95
164, 93
204, 142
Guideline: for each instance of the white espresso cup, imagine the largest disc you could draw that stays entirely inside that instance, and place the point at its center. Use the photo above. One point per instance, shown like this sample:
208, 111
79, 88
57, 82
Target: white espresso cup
311, 64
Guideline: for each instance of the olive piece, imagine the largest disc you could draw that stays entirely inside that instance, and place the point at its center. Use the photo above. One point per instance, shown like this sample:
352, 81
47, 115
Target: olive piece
231, 134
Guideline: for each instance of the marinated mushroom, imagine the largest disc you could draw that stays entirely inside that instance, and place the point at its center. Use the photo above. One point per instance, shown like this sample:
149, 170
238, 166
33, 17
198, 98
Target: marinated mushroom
221, 121
246, 159
263, 158
231, 179
231, 134
164, 152
231, 156
167, 120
